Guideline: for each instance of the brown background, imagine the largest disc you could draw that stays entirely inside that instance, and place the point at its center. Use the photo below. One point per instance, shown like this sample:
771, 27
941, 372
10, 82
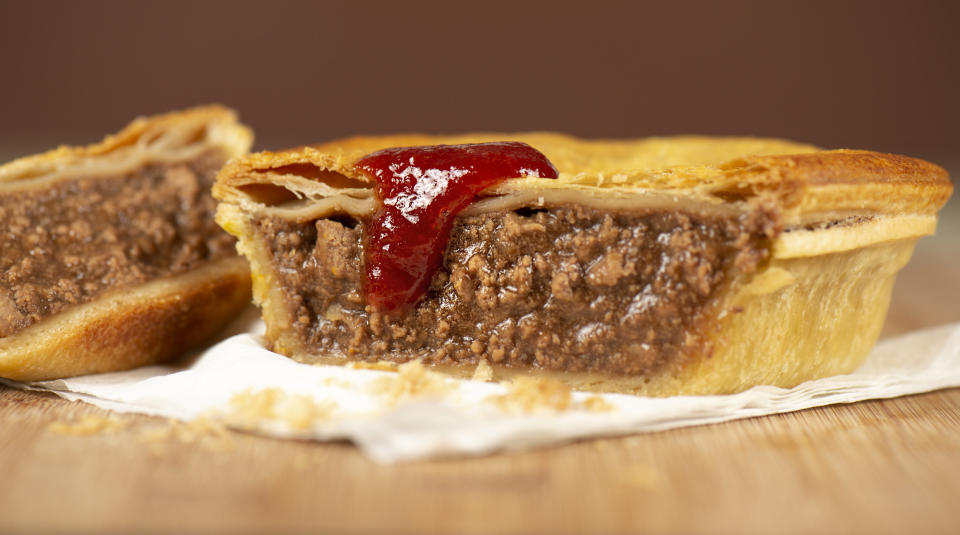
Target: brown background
881, 75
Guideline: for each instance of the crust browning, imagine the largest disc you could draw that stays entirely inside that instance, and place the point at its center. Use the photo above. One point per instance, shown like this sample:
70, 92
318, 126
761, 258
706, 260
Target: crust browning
160, 137
817, 185
147, 324
805, 183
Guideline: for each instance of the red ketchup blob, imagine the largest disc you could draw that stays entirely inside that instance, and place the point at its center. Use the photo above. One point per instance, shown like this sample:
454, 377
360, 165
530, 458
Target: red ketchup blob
420, 191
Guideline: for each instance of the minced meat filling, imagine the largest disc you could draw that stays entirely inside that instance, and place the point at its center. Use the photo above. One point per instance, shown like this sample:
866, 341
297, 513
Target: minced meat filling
569, 288
68, 243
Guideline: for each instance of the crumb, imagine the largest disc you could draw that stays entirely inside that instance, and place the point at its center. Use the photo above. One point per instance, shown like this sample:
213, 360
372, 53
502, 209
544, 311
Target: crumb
199, 429
381, 365
251, 408
336, 383
158, 434
88, 425
412, 380
597, 404
529, 394
484, 371
207, 433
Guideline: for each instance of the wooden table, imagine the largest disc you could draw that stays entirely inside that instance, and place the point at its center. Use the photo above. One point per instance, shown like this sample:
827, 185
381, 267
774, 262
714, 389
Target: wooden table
872, 467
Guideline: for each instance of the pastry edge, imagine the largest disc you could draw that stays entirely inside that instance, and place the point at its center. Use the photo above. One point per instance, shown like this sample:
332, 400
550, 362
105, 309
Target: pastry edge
131, 327
168, 137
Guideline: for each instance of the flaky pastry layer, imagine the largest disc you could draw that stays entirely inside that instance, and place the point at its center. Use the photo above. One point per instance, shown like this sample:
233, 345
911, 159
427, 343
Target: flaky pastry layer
171, 137
807, 184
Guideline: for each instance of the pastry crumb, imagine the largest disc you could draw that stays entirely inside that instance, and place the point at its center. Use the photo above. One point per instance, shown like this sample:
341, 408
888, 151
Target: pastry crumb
484, 371
411, 381
336, 383
250, 408
530, 394
597, 404
87, 425
205, 432
380, 365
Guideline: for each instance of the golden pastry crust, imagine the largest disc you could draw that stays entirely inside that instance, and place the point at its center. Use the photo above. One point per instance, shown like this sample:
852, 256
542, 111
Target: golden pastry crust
129, 328
807, 184
842, 222
159, 319
170, 136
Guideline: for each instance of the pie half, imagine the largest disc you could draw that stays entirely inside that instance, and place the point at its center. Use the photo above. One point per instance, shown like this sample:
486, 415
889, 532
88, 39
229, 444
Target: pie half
109, 255
657, 266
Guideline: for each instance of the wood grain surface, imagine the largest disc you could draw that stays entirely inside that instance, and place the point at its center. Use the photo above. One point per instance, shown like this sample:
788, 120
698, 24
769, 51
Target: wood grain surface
889, 466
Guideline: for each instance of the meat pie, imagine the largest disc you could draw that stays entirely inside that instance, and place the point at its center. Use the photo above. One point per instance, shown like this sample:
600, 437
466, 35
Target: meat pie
109, 255
661, 266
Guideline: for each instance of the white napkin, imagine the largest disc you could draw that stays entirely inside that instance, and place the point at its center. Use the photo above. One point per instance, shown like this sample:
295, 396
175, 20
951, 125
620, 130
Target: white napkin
462, 417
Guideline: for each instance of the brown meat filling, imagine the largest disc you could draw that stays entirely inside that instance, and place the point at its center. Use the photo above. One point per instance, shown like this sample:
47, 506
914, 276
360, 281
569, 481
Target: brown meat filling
67, 244
569, 288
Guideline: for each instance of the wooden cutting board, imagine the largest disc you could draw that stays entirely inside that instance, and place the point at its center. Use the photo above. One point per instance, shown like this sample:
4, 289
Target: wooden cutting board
889, 466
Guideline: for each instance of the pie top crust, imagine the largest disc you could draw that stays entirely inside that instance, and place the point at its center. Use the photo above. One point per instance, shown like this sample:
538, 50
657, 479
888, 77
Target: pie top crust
801, 178
887, 196
170, 137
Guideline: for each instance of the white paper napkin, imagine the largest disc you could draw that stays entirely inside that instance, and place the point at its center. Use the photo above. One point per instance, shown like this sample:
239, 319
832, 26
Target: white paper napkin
245, 385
